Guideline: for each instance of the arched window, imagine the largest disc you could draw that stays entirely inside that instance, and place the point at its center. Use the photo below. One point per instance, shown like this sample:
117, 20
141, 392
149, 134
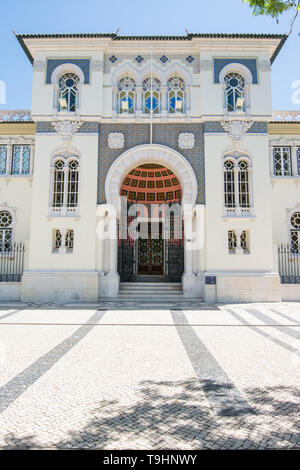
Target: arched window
126, 95
5, 231
229, 184
176, 92
68, 92
295, 232
151, 95
65, 185
236, 186
243, 181
73, 184
234, 92
58, 184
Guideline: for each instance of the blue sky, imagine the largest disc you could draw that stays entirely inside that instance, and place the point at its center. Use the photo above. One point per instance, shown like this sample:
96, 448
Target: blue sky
133, 17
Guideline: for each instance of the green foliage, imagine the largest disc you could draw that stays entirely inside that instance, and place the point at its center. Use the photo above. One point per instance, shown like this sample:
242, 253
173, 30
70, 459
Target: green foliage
273, 8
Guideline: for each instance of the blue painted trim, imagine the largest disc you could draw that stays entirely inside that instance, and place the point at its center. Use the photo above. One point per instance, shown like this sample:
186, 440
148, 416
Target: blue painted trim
83, 64
249, 63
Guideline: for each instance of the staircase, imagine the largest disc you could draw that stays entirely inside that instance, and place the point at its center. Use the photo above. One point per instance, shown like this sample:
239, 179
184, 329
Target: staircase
154, 294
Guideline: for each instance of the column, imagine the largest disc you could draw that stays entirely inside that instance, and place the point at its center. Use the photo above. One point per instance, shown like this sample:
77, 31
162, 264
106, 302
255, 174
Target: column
113, 241
188, 101
114, 101
271, 160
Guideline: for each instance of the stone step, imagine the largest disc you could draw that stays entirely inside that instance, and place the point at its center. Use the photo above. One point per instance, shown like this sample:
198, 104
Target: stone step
151, 285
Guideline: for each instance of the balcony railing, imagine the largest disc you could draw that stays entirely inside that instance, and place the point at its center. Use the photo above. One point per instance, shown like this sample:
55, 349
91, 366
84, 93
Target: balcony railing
12, 263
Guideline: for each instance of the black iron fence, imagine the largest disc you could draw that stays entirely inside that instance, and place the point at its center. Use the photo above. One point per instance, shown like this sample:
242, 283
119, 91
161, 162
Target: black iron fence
288, 264
12, 263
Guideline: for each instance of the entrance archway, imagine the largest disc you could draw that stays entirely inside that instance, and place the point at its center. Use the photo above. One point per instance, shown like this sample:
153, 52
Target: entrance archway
155, 191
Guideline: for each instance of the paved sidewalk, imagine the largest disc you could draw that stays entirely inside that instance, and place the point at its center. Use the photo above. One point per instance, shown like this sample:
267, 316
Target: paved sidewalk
224, 377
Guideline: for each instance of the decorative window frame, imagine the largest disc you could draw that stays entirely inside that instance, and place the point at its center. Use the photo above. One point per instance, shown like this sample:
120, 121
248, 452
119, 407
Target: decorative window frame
9, 143
239, 249
236, 156
63, 248
12, 211
56, 75
118, 103
66, 157
294, 145
290, 213
162, 72
241, 69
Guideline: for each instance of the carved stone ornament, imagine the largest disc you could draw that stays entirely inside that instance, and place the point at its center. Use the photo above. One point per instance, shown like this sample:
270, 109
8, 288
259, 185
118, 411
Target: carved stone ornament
236, 129
66, 129
115, 140
186, 140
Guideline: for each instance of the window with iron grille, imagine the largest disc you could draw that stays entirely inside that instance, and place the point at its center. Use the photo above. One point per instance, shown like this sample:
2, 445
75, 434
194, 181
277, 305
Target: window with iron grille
229, 189
68, 91
176, 94
58, 184
282, 161
66, 241
232, 241
295, 232
238, 241
6, 232
20, 160
126, 95
234, 90
3, 156
72, 198
151, 95
243, 181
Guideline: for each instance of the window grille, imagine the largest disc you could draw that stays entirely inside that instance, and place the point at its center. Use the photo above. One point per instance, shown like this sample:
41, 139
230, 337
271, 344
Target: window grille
243, 182
6, 233
151, 95
126, 95
73, 184
68, 239
295, 232
176, 91
58, 184
282, 161
20, 160
234, 89
229, 189
3, 156
68, 91
232, 241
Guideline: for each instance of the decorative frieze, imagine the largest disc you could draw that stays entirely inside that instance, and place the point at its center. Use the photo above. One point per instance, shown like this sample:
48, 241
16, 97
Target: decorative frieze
115, 140
66, 129
186, 140
236, 129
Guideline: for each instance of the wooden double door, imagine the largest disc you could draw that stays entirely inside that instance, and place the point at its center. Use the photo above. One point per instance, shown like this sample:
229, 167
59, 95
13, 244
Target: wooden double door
151, 249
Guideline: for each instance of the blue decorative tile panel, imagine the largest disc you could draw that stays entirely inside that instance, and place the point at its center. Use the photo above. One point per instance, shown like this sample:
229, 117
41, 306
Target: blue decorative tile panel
113, 59
249, 63
214, 127
46, 127
163, 59
212, 280
259, 127
83, 64
164, 134
189, 59
139, 59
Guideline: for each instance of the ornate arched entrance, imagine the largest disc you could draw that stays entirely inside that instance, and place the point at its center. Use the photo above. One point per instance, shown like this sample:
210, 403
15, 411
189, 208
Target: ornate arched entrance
177, 185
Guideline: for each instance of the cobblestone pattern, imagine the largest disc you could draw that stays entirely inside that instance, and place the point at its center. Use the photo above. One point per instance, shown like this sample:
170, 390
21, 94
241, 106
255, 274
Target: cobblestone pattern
224, 378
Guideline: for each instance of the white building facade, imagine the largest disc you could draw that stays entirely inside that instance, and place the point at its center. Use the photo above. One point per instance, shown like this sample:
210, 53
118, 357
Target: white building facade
157, 123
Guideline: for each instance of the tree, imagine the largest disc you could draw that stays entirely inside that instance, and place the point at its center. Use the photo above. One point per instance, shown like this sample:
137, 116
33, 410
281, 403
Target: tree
275, 8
